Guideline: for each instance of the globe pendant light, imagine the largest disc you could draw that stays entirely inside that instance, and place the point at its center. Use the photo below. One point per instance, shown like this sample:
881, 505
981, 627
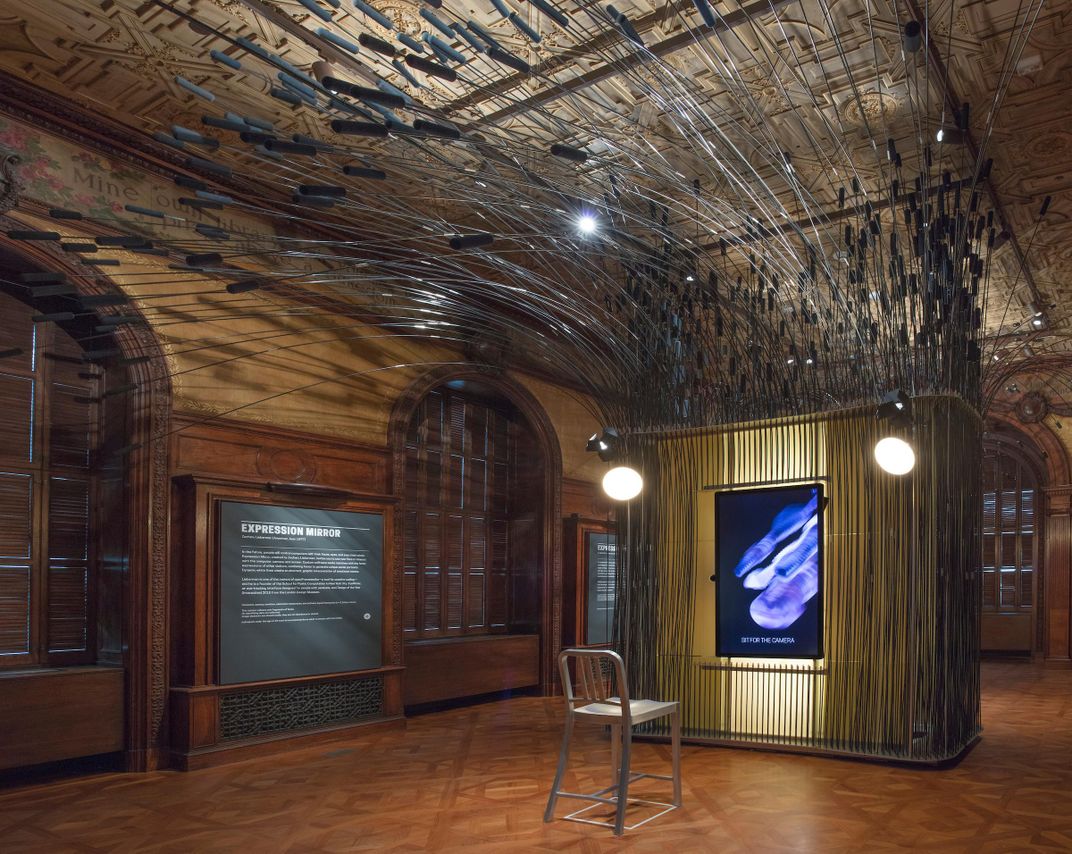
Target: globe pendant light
622, 483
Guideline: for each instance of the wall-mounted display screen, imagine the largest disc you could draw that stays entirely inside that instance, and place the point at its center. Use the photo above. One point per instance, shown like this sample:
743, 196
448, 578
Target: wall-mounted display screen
299, 591
769, 551
602, 569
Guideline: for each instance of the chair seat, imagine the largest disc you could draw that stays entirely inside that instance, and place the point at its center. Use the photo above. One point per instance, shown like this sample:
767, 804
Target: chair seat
640, 710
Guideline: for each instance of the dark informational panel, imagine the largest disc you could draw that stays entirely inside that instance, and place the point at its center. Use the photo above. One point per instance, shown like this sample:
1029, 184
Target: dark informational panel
299, 591
601, 556
769, 550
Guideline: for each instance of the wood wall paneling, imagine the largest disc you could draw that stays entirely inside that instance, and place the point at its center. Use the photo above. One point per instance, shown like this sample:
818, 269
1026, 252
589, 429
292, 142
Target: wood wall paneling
1057, 637
48, 715
219, 462
445, 669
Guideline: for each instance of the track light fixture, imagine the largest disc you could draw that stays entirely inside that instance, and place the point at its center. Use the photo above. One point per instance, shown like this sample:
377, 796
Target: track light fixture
892, 453
606, 444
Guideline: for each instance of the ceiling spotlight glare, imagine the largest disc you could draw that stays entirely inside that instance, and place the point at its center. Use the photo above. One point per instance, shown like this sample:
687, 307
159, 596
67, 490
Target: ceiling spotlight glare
790, 361
690, 278
809, 361
940, 135
623, 483
586, 224
1037, 322
895, 456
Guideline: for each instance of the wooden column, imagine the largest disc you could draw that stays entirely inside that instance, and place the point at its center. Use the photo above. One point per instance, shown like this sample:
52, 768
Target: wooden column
1057, 589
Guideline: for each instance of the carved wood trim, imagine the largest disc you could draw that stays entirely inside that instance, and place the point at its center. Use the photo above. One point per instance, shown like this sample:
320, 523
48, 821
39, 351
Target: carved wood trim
147, 511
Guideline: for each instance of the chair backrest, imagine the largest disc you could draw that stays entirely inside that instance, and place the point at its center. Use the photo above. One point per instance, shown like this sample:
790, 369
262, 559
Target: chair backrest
600, 675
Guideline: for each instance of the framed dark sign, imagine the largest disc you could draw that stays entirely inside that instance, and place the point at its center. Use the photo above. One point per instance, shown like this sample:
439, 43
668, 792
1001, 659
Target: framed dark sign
769, 554
300, 591
601, 566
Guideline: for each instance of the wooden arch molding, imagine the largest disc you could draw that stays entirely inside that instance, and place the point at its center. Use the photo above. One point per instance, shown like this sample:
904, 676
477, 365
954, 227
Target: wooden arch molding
148, 507
533, 411
1051, 454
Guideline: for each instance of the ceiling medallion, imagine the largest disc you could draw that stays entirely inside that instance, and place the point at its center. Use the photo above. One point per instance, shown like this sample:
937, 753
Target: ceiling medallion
403, 16
871, 106
1032, 407
1051, 146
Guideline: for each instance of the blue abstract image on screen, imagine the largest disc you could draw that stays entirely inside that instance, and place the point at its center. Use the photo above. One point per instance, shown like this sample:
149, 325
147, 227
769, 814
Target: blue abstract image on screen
769, 552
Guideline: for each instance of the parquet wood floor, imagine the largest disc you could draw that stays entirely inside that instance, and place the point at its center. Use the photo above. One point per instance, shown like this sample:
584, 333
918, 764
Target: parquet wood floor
474, 781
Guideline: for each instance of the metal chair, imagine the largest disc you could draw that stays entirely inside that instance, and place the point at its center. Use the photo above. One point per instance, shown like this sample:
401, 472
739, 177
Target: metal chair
591, 701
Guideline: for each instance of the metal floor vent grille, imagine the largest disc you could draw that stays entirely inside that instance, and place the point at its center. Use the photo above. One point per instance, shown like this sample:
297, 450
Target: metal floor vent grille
247, 714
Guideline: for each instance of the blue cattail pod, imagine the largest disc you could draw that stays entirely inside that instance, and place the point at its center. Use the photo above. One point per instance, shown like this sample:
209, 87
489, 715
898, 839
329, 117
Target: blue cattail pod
436, 129
311, 5
49, 278
101, 262
138, 209
31, 234
706, 12
410, 42
387, 88
437, 43
78, 247
243, 286
483, 34
204, 259
349, 128
501, 8
258, 123
208, 166
524, 28
224, 59
364, 172
264, 152
124, 240
194, 88
187, 135
212, 231
253, 48
55, 316
375, 44
386, 113
467, 38
168, 139
401, 69
63, 213
551, 12
224, 124
471, 241
433, 19
338, 41
377, 16
286, 96
303, 89
568, 152
433, 69
214, 197
508, 59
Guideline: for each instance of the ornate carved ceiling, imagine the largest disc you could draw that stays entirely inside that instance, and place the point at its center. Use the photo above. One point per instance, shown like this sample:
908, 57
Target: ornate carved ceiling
731, 132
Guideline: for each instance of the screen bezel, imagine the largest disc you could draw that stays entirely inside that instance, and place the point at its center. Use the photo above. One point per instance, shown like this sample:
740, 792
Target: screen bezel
821, 634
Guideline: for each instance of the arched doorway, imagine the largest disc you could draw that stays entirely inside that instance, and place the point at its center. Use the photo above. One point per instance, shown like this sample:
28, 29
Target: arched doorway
1014, 474
478, 468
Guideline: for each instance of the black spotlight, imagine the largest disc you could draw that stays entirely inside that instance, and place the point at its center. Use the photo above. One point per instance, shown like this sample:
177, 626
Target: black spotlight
896, 407
911, 37
605, 444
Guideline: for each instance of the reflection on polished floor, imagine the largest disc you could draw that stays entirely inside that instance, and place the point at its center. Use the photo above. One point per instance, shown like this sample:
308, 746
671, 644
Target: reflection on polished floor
475, 780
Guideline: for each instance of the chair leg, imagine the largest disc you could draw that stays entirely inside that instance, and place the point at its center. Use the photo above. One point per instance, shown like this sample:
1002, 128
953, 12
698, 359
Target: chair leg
563, 758
623, 781
615, 752
675, 739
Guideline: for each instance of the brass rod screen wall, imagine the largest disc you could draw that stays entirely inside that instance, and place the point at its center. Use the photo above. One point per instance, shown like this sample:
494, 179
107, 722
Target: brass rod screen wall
900, 673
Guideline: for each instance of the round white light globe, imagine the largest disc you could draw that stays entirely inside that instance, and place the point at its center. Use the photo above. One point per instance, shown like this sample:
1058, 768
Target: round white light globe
586, 224
622, 483
895, 455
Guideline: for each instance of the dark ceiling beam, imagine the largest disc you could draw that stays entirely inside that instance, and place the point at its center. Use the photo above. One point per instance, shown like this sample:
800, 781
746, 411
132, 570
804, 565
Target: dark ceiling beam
601, 42
953, 102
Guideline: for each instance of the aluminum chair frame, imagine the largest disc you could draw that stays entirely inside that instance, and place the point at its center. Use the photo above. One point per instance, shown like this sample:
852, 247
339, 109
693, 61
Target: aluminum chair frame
591, 703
